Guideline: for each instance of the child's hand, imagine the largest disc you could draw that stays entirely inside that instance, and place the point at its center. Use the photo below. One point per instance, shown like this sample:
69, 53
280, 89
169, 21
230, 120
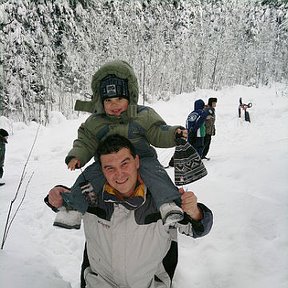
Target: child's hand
73, 164
181, 133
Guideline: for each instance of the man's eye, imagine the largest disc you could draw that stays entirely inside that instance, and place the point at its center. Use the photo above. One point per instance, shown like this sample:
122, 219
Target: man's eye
125, 164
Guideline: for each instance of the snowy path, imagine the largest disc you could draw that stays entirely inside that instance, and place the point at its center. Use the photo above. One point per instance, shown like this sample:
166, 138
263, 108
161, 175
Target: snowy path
246, 188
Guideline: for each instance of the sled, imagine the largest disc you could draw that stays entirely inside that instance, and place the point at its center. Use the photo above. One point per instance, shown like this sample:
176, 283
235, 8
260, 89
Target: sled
244, 107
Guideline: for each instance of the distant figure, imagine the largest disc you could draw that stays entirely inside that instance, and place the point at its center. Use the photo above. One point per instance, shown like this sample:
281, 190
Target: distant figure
209, 125
3, 140
195, 124
244, 107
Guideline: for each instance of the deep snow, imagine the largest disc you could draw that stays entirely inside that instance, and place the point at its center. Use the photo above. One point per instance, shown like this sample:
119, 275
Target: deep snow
246, 187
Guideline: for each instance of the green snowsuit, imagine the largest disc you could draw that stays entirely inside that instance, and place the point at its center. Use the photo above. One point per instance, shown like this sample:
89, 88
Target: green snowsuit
140, 124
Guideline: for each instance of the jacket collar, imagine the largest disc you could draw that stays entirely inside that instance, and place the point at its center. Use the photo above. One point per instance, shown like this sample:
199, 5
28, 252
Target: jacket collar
109, 194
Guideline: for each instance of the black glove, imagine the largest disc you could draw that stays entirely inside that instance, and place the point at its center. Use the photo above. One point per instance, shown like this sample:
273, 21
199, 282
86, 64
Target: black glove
88, 192
179, 135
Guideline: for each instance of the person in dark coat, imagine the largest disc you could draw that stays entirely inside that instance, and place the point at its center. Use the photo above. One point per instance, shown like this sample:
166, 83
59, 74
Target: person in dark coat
3, 140
195, 124
209, 125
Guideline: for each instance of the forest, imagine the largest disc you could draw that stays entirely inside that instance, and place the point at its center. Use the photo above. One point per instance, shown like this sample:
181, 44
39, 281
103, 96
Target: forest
50, 49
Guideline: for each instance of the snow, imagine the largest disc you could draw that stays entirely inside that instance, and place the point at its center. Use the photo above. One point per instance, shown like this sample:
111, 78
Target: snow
246, 187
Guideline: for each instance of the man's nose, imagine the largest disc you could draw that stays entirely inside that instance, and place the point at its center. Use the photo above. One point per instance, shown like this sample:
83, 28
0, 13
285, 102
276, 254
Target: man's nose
118, 173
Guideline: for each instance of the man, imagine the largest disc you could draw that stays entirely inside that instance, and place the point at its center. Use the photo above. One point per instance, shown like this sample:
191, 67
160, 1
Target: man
127, 243
209, 125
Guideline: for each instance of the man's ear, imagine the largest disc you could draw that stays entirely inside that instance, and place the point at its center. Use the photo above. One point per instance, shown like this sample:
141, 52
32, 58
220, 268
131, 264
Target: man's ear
137, 159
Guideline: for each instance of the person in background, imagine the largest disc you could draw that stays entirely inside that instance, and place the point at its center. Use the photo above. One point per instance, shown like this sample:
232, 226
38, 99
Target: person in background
209, 125
127, 244
115, 110
195, 125
3, 141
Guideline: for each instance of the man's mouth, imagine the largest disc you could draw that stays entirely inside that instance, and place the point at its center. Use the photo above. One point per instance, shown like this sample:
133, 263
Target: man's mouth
121, 181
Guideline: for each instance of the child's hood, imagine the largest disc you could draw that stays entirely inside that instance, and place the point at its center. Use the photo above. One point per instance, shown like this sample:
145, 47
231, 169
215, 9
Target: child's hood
120, 69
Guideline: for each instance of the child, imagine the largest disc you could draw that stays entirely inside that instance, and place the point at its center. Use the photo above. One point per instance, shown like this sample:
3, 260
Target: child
115, 97
3, 140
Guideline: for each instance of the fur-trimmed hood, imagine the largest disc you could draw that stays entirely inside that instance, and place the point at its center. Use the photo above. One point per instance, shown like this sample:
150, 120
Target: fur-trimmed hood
120, 69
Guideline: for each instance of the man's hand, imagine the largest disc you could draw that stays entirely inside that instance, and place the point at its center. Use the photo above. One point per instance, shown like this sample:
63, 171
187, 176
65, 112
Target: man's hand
189, 205
55, 198
73, 164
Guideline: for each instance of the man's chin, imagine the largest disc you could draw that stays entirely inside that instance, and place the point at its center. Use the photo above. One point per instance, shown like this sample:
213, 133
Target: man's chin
123, 191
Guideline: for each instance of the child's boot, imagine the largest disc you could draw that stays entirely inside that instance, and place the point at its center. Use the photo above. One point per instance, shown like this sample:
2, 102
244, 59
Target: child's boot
171, 213
67, 218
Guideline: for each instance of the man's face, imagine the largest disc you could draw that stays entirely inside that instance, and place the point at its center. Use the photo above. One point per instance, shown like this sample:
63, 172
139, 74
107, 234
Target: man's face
120, 170
115, 106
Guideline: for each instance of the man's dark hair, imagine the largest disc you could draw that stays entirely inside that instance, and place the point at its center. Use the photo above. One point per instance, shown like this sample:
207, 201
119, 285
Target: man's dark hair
211, 100
113, 144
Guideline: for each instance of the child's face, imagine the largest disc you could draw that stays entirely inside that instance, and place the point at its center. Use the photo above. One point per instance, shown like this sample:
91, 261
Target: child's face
115, 106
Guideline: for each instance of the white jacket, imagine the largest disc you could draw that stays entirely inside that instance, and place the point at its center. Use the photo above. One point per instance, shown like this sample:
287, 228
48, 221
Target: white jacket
132, 248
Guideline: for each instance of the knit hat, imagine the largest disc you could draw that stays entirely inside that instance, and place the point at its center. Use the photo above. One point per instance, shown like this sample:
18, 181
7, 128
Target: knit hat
3, 133
188, 166
211, 100
112, 87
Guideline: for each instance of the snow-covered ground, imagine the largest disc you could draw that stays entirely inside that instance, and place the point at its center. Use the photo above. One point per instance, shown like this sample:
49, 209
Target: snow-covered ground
246, 187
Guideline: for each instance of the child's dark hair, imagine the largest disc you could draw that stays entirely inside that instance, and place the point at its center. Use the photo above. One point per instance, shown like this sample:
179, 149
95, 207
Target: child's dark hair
113, 144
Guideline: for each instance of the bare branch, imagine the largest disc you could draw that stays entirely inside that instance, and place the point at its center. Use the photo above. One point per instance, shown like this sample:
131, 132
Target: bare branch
23, 175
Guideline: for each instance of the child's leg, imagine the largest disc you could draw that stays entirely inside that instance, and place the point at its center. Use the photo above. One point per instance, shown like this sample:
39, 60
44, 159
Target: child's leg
92, 174
158, 182
164, 192
79, 201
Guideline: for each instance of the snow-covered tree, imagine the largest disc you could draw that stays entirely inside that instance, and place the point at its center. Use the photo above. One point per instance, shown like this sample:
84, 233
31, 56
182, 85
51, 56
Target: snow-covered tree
51, 49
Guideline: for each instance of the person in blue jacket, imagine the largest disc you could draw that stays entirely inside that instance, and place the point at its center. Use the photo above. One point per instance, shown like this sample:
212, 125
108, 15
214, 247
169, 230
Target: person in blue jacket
195, 124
